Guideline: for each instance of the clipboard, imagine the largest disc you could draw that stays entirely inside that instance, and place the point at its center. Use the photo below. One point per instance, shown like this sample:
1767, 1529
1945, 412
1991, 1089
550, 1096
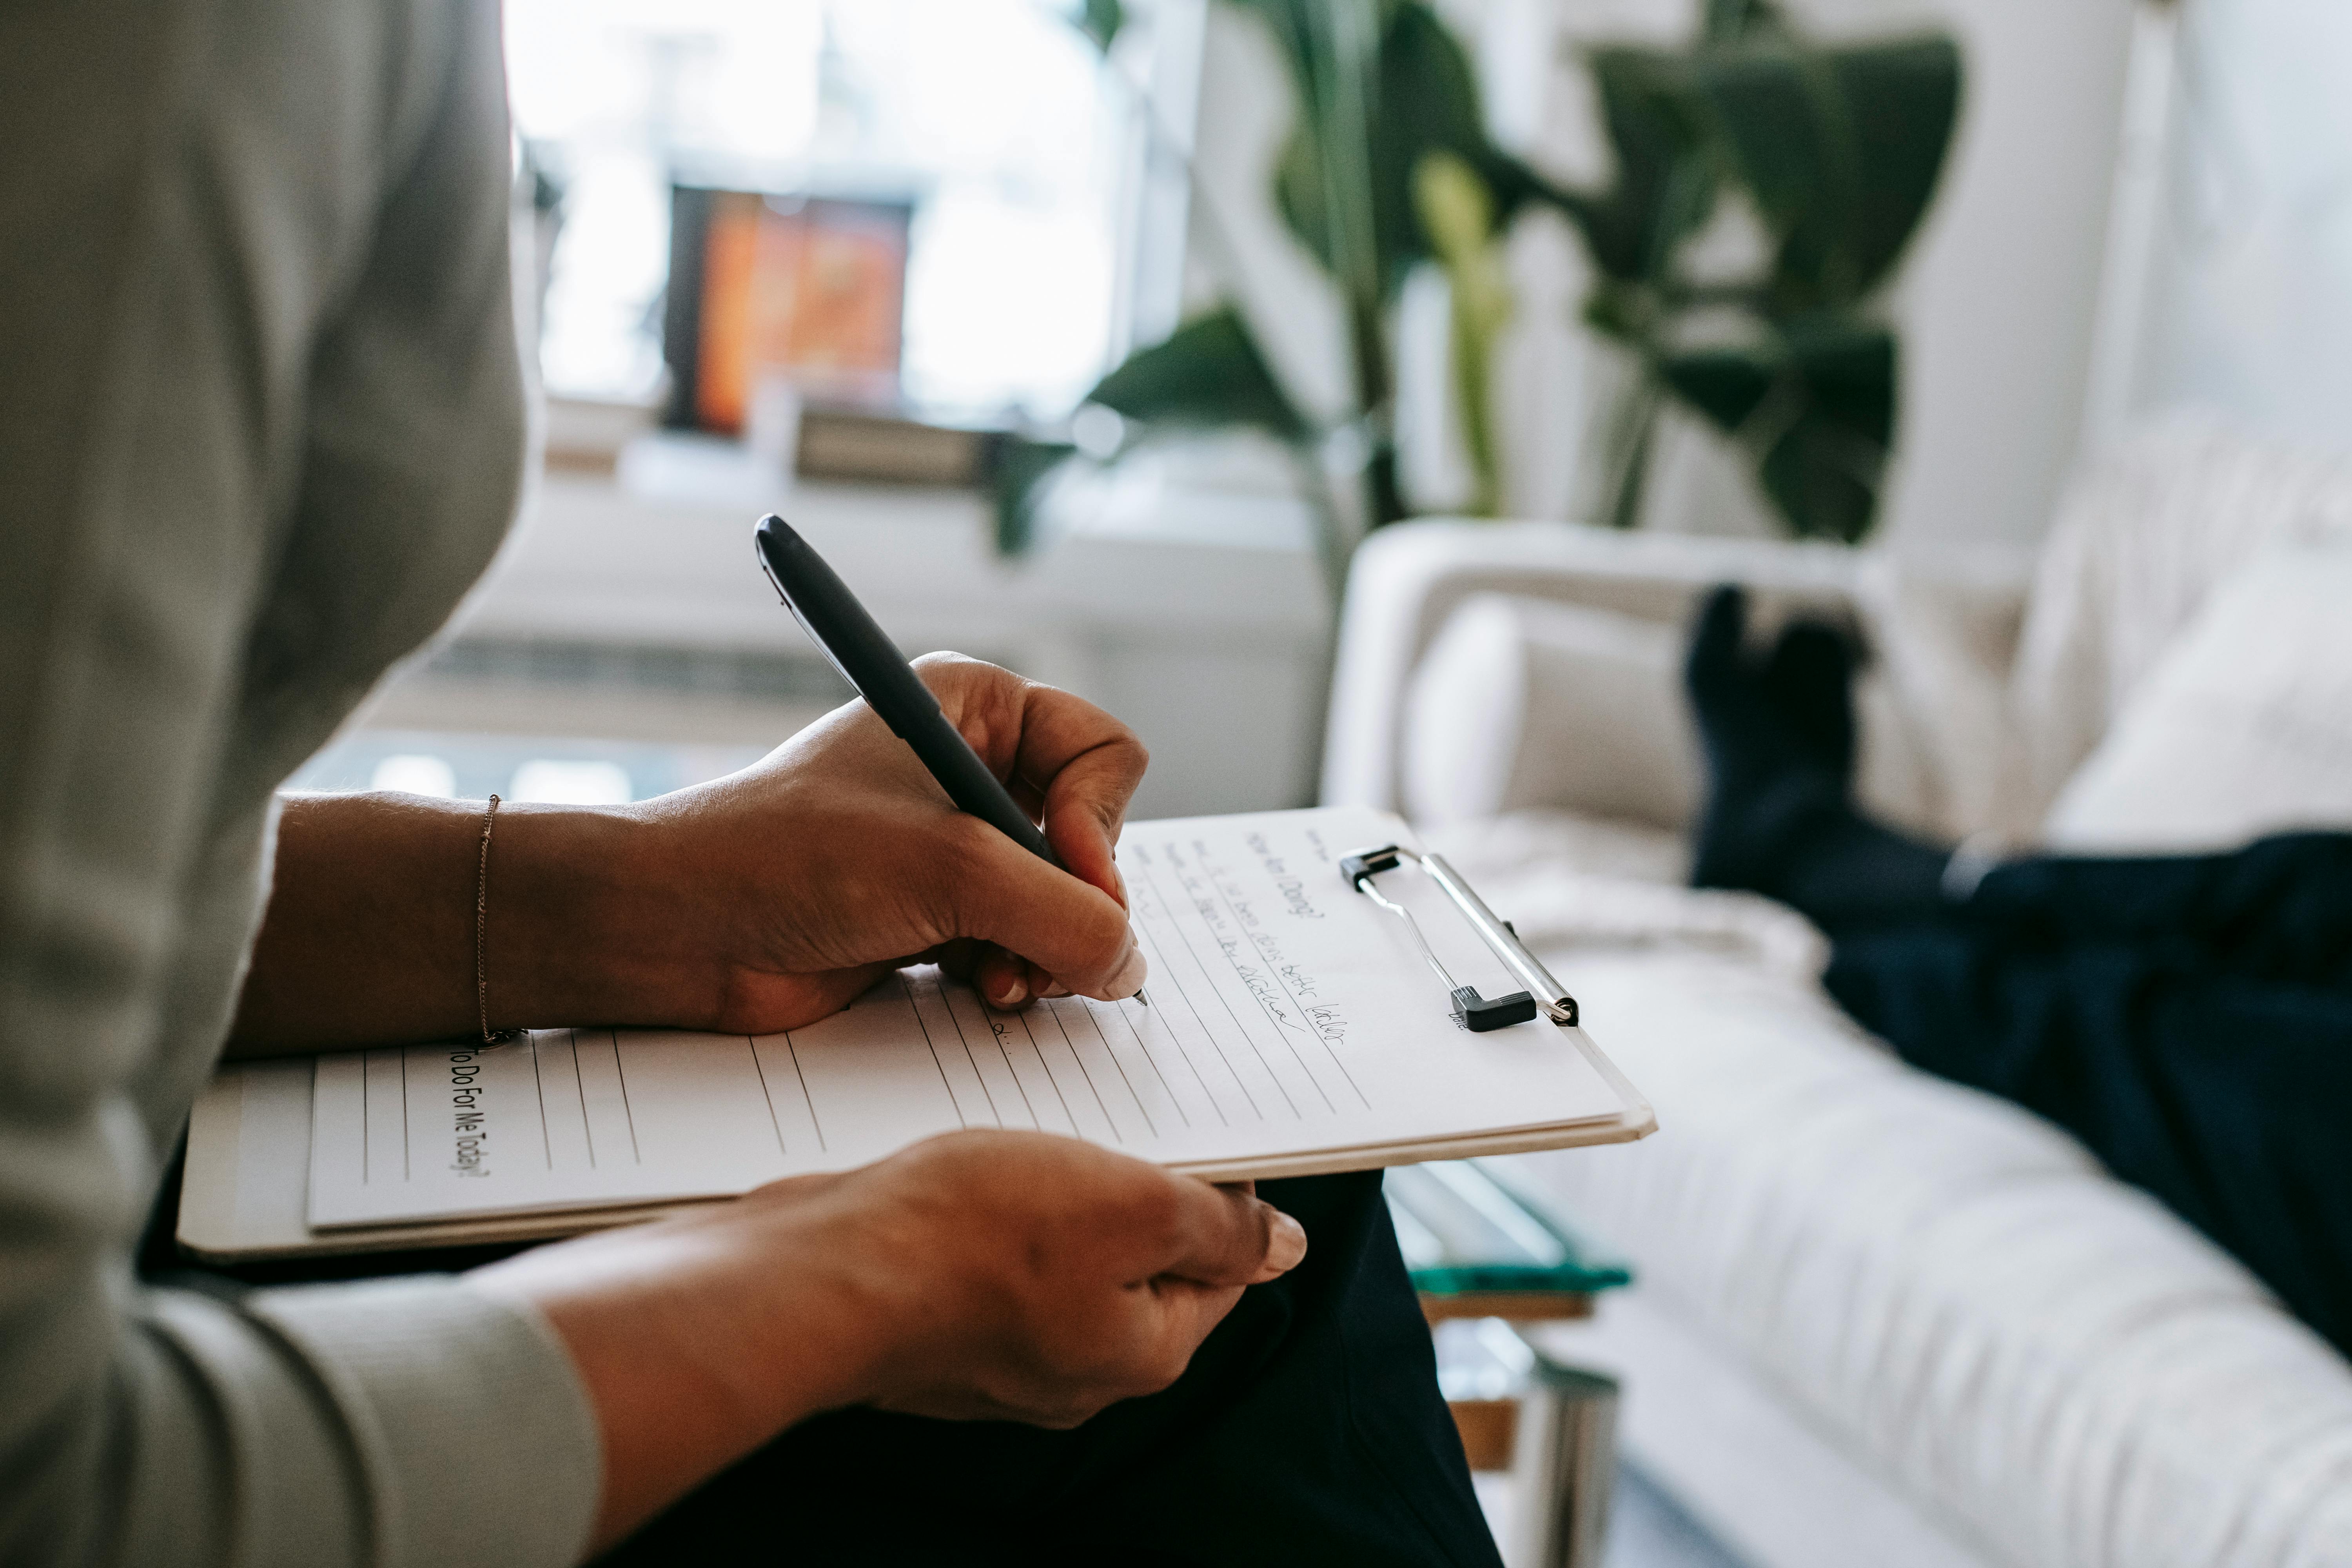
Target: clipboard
1294, 1030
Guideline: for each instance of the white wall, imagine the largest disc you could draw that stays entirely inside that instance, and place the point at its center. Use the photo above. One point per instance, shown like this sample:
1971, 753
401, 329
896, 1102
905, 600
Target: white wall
2000, 304
2246, 311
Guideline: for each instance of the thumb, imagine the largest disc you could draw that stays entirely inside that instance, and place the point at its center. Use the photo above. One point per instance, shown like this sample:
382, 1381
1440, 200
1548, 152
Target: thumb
1075, 931
1226, 1237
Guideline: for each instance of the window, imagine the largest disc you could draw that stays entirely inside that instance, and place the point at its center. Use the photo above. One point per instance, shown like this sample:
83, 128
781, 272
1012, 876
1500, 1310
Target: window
1037, 231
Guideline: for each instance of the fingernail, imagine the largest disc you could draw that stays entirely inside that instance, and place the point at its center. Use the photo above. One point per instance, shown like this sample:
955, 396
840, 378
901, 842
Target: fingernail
1286, 1243
1015, 992
1131, 974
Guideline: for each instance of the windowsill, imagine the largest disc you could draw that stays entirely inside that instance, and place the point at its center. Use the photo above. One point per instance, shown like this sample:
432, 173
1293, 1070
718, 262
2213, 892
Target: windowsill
659, 552
1193, 617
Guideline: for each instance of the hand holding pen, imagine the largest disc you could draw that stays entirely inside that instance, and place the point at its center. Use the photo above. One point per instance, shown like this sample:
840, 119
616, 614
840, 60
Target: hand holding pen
848, 636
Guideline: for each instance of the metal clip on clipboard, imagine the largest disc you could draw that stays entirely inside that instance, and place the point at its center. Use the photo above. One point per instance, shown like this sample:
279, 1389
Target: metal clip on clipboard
1471, 1011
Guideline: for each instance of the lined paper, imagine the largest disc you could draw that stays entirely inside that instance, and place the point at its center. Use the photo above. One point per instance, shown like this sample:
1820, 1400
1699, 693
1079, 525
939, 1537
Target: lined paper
1289, 1016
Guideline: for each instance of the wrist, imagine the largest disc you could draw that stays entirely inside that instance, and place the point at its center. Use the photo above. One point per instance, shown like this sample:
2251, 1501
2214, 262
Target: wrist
694, 1343
585, 917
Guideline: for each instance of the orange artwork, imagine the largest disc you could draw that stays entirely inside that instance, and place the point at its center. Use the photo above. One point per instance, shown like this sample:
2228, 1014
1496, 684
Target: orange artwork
817, 289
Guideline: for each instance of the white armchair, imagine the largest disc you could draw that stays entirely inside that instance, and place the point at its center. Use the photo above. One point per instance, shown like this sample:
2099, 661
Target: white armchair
1880, 1319
1491, 668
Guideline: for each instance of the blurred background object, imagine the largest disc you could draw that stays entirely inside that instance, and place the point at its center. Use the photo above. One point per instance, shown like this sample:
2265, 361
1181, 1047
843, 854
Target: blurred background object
808, 287
1764, 188
1017, 198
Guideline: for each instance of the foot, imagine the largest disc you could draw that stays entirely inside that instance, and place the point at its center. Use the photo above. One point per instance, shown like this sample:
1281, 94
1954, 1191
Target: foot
1778, 737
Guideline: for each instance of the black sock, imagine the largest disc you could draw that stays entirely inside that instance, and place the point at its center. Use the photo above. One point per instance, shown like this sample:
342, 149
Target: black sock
1778, 737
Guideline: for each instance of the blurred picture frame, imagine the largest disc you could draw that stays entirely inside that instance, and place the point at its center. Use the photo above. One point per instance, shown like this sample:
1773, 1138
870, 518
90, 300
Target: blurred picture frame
809, 288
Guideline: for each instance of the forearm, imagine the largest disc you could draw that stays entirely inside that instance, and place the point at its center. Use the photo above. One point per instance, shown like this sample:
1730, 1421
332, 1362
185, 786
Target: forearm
370, 937
694, 1343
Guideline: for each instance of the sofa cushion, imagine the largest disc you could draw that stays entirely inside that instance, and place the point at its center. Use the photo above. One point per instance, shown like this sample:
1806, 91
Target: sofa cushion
1520, 702
1948, 1285
2243, 728
2143, 538
1523, 703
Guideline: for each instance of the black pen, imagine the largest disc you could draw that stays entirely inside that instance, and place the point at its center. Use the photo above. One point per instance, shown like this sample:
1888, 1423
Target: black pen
846, 634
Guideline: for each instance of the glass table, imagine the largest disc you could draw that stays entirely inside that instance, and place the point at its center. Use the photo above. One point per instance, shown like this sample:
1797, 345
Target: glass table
1485, 1258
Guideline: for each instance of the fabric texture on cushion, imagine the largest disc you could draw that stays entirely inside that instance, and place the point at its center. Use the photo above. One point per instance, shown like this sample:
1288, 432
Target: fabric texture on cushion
2243, 729
1943, 631
1528, 703
1521, 703
1951, 1285
2141, 540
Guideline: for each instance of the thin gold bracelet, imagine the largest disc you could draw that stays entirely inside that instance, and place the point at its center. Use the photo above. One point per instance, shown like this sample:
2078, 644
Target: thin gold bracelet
482, 932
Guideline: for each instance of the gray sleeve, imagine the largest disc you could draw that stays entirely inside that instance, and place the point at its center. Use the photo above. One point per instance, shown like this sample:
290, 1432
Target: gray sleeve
406, 1421
259, 422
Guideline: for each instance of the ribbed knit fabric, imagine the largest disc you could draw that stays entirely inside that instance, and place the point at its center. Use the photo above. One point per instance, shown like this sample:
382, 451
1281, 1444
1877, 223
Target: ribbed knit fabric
260, 425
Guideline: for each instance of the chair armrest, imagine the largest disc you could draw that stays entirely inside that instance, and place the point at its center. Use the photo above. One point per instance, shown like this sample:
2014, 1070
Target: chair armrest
1407, 579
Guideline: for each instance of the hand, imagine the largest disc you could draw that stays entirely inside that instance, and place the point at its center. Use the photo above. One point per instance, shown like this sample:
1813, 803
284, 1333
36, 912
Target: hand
773, 897
1011, 1276
760, 901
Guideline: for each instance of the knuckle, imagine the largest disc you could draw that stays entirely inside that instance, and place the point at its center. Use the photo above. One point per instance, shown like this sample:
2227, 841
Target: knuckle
945, 670
947, 659
1159, 1213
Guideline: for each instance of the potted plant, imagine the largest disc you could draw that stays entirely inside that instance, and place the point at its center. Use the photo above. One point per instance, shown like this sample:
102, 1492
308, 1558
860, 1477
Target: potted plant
1835, 150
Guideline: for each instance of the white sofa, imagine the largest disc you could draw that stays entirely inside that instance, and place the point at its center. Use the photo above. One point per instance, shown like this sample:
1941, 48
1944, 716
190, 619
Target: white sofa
1879, 1318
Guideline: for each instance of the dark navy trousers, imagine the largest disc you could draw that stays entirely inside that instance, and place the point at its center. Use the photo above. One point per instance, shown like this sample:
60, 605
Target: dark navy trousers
2189, 1018
1307, 1430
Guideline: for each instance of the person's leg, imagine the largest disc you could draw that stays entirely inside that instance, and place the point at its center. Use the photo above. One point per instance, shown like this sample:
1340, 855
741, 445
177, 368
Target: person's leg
2188, 1017
1778, 732
2278, 910
2223, 1095
1308, 1429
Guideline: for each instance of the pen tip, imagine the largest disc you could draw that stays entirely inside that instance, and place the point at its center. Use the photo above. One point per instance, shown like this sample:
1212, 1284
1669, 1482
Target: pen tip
1141, 997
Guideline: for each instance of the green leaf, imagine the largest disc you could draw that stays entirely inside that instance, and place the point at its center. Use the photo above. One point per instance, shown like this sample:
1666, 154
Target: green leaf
1302, 197
1814, 402
1841, 148
1101, 20
1208, 372
1665, 183
1821, 481
1823, 470
1421, 98
1428, 103
1728, 20
1903, 99
1848, 367
1022, 470
1726, 385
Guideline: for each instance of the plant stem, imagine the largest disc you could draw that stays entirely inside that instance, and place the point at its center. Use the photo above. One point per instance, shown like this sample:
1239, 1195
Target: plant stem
1383, 494
1332, 548
1633, 430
